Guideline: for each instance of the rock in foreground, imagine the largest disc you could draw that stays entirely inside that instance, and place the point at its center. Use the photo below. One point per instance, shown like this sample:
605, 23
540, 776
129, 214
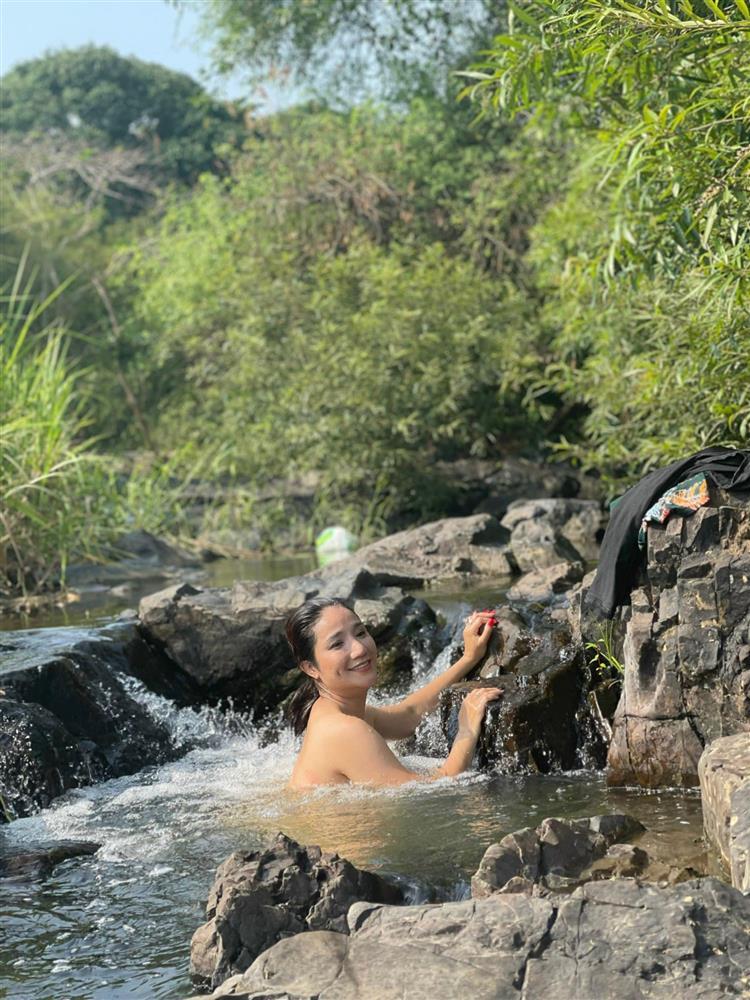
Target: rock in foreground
618, 940
724, 770
264, 896
553, 855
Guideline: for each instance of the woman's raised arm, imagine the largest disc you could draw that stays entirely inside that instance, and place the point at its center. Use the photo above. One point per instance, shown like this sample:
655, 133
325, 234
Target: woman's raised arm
363, 756
399, 721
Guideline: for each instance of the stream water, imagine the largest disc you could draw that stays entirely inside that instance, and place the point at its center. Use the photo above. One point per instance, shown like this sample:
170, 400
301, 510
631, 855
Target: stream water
118, 924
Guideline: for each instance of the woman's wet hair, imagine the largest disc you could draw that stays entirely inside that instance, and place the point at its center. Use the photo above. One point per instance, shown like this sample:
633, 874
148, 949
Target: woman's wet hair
300, 634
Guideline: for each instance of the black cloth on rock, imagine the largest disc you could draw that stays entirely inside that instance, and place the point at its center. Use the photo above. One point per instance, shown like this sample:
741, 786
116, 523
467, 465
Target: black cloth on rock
620, 557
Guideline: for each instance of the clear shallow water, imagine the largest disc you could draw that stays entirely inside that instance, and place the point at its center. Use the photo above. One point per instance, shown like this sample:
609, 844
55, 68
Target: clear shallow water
98, 604
118, 924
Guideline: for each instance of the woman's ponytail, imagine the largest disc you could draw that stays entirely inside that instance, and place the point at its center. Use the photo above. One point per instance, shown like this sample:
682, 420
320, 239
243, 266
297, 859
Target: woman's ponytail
298, 709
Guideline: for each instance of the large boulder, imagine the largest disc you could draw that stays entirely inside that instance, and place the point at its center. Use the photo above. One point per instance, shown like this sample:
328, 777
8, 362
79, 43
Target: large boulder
260, 897
686, 651
724, 771
550, 531
67, 717
617, 939
231, 642
452, 547
554, 855
543, 721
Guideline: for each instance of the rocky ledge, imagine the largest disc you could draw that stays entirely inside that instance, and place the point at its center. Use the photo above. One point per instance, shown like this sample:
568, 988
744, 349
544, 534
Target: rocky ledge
260, 897
686, 650
614, 939
67, 717
230, 643
724, 771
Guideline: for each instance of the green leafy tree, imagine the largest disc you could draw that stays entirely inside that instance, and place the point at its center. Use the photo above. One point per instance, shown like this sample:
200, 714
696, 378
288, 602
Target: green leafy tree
95, 96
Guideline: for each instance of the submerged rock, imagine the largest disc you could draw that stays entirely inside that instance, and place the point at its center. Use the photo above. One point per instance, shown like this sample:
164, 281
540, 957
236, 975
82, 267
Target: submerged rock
230, 643
618, 940
553, 855
686, 649
263, 896
39, 861
724, 771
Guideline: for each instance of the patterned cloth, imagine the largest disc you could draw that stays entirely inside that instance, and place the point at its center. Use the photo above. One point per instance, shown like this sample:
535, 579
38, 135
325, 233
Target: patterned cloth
684, 498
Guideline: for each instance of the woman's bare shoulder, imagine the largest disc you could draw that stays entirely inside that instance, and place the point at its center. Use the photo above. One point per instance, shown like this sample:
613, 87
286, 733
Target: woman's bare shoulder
333, 725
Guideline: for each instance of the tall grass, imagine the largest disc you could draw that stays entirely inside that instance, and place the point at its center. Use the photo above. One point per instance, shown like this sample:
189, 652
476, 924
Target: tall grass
60, 499
50, 479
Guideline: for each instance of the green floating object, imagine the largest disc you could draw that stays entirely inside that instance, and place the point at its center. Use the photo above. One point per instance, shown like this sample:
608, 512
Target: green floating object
334, 543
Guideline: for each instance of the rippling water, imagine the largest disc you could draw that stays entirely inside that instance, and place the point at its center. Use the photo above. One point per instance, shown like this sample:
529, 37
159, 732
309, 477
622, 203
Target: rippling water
118, 924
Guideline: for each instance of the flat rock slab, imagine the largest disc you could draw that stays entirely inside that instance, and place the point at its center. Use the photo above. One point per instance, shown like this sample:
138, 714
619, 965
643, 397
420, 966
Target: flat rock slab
451, 547
724, 770
616, 940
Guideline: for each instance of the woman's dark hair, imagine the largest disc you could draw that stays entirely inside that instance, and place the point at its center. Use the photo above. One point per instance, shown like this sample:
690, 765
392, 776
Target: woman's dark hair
300, 634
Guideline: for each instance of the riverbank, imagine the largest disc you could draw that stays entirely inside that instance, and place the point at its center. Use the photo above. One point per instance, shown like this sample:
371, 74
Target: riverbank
170, 819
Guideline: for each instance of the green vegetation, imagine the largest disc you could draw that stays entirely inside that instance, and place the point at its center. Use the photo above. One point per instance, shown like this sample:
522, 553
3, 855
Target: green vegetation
97, 99
556, 264
642, 264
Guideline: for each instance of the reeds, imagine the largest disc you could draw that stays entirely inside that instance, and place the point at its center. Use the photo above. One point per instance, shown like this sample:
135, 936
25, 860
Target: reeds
50, 479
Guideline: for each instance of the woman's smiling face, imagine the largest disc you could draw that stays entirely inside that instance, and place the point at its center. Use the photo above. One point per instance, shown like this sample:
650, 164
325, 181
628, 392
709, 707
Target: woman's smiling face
345, 652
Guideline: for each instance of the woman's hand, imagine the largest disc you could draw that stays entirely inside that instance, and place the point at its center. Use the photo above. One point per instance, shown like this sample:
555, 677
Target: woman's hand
477, 632
472, 710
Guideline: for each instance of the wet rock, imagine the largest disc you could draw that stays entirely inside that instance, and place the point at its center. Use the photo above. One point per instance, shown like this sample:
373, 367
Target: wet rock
686, 650
546, 532
542, 722
231, 643
553, 855
39, 759
541, 586
724, 771
67, 719
40, 860
454, 546
263, 896
618, 940
84, 692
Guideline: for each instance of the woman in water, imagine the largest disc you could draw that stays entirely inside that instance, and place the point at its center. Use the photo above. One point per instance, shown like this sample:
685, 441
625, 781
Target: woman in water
345, 738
